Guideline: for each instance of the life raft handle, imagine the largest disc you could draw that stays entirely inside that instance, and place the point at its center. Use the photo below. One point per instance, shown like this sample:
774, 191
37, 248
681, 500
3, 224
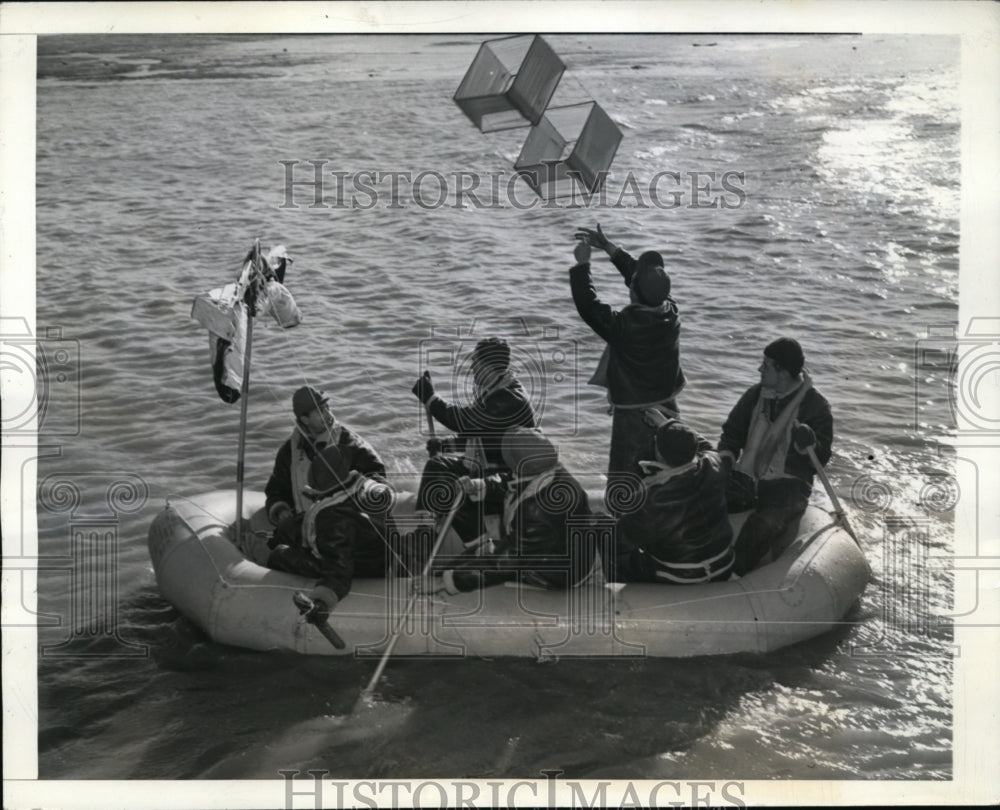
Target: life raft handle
310, 611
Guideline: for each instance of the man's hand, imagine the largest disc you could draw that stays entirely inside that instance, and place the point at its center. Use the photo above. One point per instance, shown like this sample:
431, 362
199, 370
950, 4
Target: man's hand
325, 600
475, 488
423, 388
279, 512
654, 418
287, 530
803, 437
582, 252
596, 239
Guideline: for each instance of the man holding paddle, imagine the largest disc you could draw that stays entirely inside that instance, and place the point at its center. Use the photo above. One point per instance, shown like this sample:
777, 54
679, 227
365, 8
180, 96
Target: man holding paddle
640, 366
545, 520
288, 492
342, 533
773, 442
500, 403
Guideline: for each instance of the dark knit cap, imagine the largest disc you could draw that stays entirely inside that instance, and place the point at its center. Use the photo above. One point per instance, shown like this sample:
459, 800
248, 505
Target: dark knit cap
787, 353
651, 281
528, 452
676, 443
492, 353
328, 470
306, 400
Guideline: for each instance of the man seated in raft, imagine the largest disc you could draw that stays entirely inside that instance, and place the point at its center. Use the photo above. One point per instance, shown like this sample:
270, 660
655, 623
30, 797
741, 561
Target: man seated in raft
765, 444
545, 521
342, 533
316, 427
500, 403
680, 534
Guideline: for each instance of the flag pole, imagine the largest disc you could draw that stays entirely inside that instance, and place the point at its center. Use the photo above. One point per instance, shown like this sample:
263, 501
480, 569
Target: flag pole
250, 297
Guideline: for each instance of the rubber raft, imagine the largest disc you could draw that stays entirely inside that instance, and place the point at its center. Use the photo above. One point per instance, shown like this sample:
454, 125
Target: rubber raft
805, 592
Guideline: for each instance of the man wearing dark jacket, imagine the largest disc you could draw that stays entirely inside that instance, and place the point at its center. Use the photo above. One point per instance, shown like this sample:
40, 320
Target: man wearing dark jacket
765, 443
544, 521
342, 534
315, 428
680, 534
500, 403
640, 366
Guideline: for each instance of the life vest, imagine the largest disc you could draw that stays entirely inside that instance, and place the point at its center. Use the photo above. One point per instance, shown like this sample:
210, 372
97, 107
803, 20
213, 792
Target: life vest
352, 492
768, 442
300, 463
663, 568
513, 500
660, 474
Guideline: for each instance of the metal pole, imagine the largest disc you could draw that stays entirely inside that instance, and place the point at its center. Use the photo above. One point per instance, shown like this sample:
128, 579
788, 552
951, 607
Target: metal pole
245, 388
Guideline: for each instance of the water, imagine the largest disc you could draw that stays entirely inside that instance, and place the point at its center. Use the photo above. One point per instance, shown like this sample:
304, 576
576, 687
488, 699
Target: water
158, 162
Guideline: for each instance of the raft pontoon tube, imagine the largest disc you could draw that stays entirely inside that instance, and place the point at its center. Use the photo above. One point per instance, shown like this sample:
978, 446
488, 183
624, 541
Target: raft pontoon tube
807, 591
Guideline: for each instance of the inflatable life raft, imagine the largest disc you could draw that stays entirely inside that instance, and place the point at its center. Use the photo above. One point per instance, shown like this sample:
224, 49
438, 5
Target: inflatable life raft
807, 591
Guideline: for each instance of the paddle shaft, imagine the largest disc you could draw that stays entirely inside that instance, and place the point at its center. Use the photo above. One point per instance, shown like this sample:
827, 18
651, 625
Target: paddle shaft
370, 688
330, 635
430, 421
841, 514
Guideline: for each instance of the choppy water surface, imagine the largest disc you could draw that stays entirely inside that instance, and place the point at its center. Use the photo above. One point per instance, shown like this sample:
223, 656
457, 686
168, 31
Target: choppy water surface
158, 161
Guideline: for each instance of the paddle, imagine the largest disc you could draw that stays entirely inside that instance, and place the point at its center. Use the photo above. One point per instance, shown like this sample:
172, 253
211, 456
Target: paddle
310, 610
430, 424
838, 509
370, 688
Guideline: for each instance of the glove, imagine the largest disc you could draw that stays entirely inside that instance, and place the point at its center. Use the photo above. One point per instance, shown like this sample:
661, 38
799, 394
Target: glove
423, 388
374, 496
803, 437
655, 418
475, 488
434, 446
582, 252
324, 600
279, 511
287, 530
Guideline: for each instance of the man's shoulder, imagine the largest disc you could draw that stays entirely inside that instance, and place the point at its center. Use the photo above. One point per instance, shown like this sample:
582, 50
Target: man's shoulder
510, 393
351, 437
815, 399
